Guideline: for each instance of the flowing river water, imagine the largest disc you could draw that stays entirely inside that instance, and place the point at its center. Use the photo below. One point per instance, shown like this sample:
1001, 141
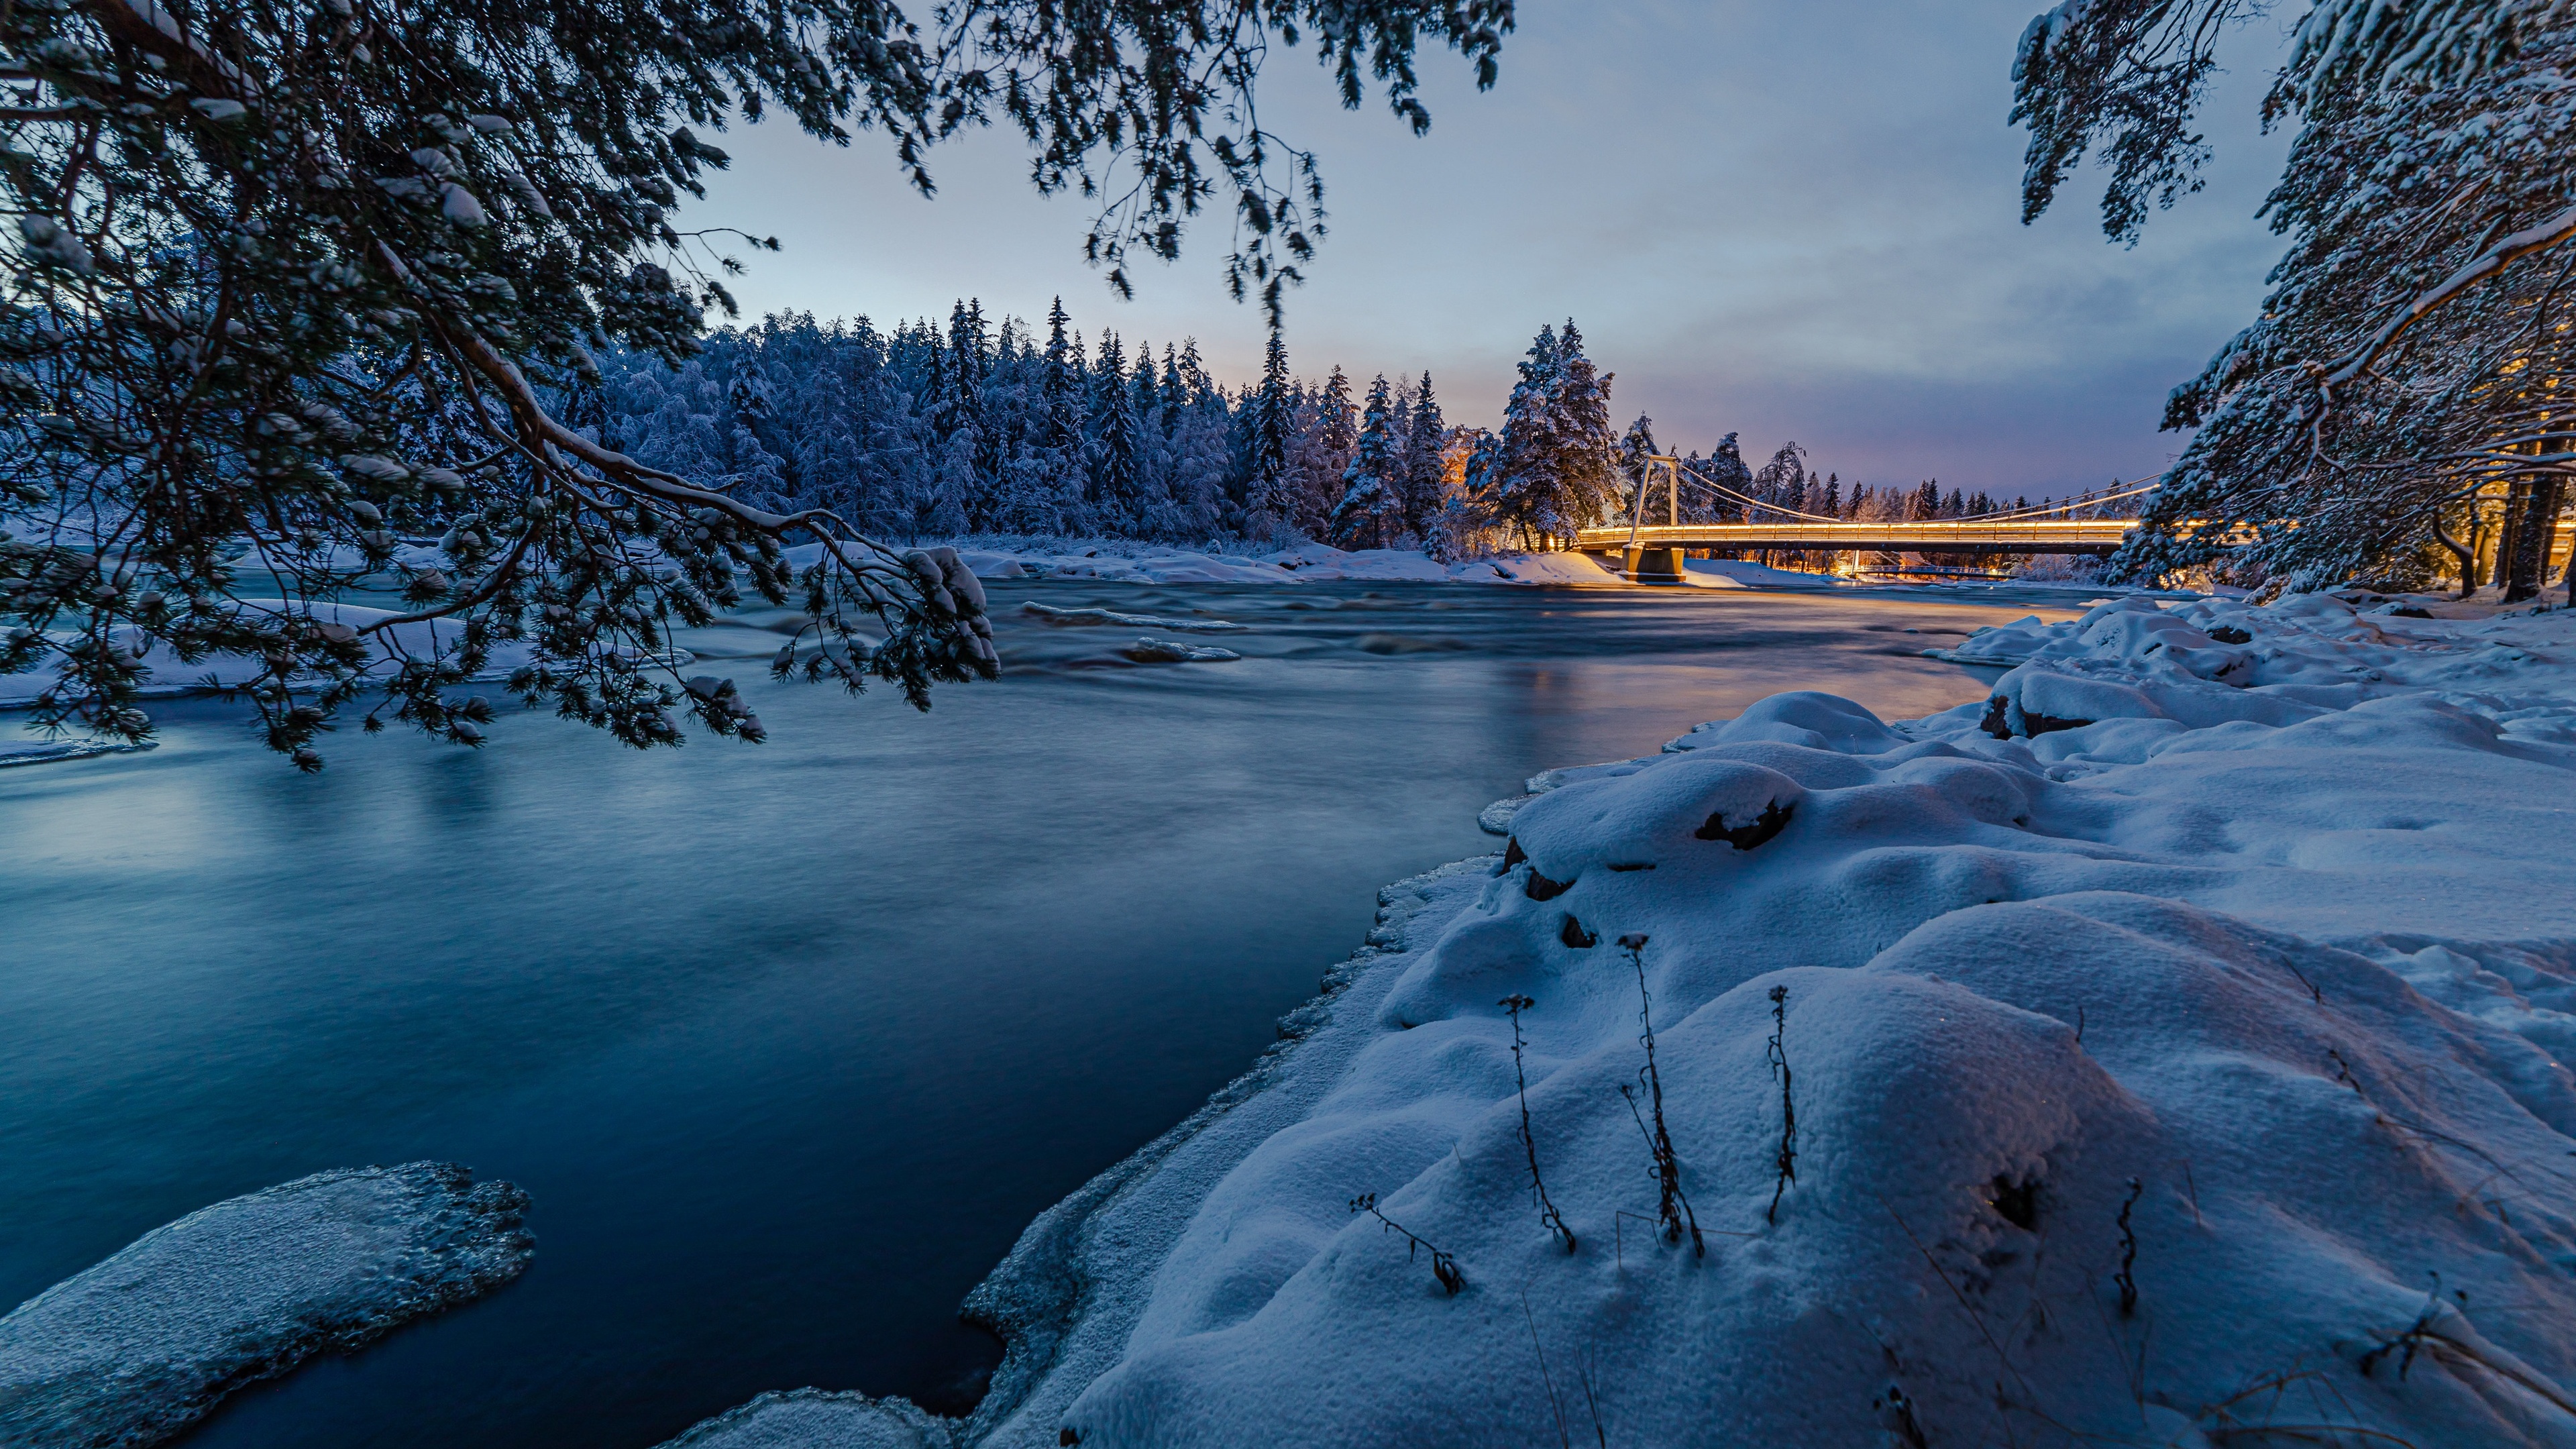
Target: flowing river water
788, 1042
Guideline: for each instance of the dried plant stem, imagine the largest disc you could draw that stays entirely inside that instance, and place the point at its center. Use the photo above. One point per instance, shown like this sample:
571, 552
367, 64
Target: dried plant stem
2127, 1276
1673, 1209
1443, 1266
1515, 1004
1788, 1161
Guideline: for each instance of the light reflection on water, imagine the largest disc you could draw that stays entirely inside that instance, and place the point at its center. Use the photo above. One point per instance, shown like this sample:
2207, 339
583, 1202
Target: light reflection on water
787, 1042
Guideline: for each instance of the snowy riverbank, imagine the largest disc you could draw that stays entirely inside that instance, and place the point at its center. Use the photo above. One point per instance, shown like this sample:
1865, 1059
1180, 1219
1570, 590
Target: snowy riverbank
2178, 1045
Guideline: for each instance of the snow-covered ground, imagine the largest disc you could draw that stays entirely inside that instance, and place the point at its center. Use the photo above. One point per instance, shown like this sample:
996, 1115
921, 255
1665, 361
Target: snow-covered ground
2177, 1037
170, 676
1128, 561
134, 1350
1120, 561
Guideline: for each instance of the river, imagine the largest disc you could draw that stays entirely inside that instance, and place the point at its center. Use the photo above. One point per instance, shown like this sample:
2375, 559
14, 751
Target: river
789, 1041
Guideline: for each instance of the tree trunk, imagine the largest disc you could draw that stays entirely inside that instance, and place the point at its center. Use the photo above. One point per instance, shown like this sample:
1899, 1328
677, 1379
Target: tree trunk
2533, 526
2466, 553
2508, 531
2543, 524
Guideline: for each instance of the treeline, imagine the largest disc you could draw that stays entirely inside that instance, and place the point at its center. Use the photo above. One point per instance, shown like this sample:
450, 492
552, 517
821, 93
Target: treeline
974, 427
926, 430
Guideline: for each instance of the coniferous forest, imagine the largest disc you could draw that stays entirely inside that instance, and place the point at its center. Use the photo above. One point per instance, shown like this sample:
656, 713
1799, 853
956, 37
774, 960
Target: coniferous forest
983, 425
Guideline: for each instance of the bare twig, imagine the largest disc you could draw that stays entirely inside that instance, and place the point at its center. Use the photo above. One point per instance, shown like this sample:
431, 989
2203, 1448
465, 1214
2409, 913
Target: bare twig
1515, 1004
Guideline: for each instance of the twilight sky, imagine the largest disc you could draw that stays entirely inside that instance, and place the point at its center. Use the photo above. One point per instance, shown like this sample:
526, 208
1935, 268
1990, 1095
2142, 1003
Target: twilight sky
1786, 220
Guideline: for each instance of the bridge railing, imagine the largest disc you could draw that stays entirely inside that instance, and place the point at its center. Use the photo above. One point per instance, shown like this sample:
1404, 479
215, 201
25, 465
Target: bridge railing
1965, 535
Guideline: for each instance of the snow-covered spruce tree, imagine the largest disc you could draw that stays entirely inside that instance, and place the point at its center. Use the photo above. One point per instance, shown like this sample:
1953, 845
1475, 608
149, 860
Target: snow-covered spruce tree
1371, 512
1726, 469
1514, 476
1637, 452
247, 229
1782, 483
2409, 358
1270, 425
1117, 450
1320, 453
1556, 471
1587, 466
1420, 466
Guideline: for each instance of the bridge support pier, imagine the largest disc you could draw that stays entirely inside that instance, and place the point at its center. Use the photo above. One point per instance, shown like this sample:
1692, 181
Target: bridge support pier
1653, 565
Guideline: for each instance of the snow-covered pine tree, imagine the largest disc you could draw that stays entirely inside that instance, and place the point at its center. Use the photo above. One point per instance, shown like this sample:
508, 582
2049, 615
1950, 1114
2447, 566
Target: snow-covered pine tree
1726, 469
243, 226
1516, 478
2399, 382
1782, 483
1145, 386
1117, 468
1269, 498
1422, 467
1636, 453
757, 475
1371, 511
1557, 470
1321, 453
1587, 467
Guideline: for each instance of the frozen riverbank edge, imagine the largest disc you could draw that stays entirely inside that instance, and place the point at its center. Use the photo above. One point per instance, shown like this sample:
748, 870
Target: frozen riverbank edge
2181, 1035
138, 1348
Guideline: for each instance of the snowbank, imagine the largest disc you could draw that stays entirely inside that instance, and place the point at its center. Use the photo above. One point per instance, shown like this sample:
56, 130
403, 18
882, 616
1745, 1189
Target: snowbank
2177, 1039
813, 1419
143, 1345
42, 752
170, 677
1732, 573
1133, 563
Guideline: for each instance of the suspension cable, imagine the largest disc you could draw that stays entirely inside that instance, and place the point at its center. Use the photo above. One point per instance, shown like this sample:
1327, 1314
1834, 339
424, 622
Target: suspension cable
2041, 511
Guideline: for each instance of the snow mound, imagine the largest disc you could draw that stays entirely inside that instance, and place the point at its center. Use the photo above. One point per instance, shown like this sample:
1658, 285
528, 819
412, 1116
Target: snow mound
1053, 615
2191, 1075
2213, 661
171, 677
813, 1419
136, 1349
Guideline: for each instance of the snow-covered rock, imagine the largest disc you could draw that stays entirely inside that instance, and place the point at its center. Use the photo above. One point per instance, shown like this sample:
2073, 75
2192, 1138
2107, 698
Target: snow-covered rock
1172, 651
2196, 1072
139, 1347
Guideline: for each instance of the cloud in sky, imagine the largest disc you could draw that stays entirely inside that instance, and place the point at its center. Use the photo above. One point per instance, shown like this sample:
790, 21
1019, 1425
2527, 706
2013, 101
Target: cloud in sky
1783, 220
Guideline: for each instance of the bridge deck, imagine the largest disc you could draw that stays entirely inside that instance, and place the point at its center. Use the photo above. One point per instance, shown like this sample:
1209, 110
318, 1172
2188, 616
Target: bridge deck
1967, 535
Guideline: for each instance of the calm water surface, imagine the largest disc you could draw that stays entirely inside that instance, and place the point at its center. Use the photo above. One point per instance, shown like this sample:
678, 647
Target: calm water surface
787, 1042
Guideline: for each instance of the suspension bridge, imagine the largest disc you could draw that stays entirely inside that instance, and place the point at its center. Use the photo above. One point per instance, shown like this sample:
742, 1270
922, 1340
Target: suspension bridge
1654, 551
